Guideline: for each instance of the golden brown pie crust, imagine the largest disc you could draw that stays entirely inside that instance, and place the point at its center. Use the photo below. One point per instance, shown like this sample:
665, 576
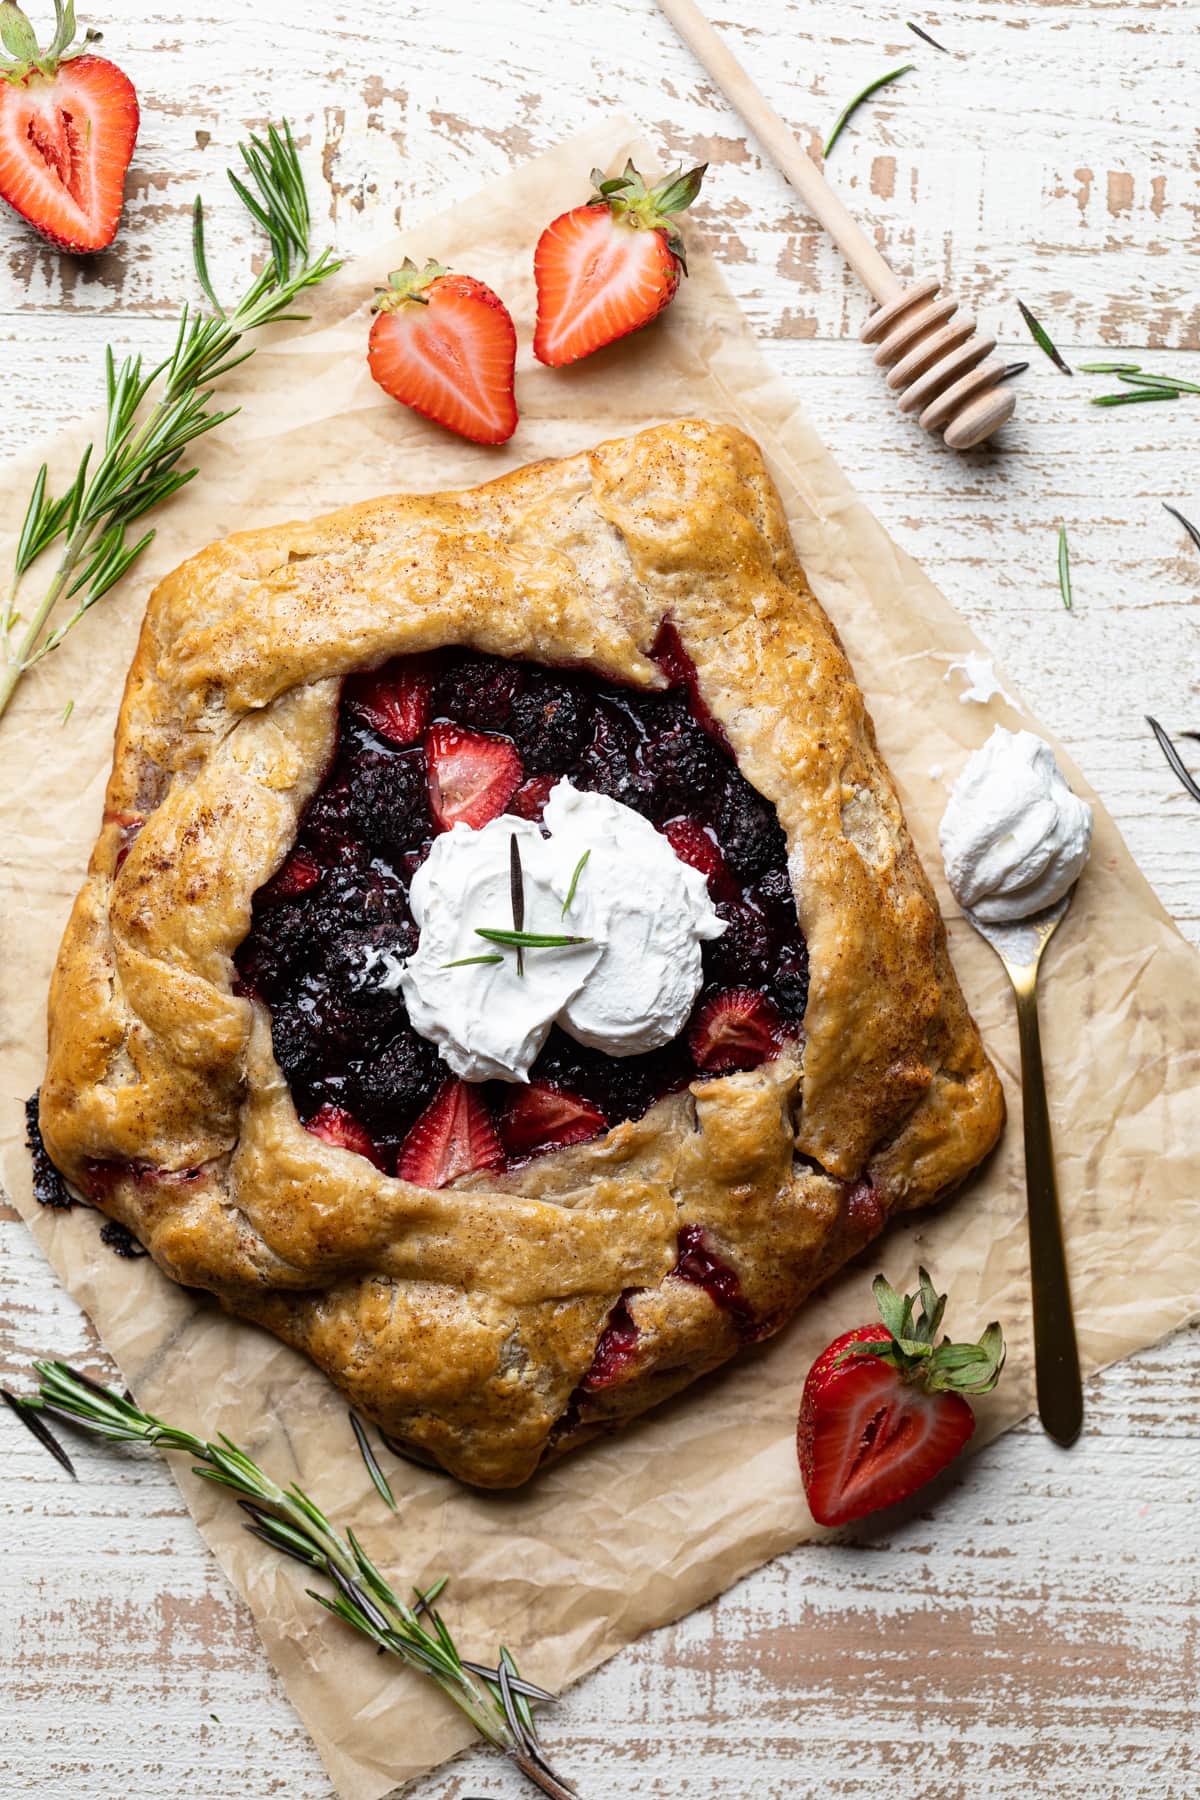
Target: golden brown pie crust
463, 1321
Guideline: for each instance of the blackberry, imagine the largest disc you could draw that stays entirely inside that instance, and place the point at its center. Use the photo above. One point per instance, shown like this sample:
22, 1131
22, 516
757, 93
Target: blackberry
329, 822
477, 691
790, 982
743, 955
610, 766
357, 975
549, 723
387, 1090
748, 831
389, 798
623, 1087
280, 945
774, 889
295, 1042
49, 1188
685, 768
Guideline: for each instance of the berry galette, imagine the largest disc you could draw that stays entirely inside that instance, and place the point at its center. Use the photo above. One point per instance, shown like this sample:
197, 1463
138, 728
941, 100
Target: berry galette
504, 971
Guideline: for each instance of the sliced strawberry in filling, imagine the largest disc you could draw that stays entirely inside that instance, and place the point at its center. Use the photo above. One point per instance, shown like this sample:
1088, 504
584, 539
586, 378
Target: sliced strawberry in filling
615, 1350
529, 801
545, 1117
395, 700
737, 1029
298, 874
472, 777
334, 1125
454, 1136
698, 848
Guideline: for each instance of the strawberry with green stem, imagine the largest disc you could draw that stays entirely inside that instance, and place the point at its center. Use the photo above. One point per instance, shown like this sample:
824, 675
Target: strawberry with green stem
885, 1411
444, 344
68, 123
609, 267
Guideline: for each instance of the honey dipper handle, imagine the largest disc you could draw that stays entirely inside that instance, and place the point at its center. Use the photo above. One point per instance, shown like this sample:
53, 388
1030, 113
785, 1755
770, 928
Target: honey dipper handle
775, 137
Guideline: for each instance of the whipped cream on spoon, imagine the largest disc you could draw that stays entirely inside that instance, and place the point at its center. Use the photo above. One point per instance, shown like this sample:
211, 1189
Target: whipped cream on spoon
1015, 840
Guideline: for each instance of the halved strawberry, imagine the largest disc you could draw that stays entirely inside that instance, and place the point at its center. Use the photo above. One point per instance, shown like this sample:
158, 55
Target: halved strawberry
529, 801
334, 1125
452, 1137
68, 123
395, 700
543, 1116
737, 1029
609, 267
472, 777
445, 345
883, 1410
298, 874
694, 845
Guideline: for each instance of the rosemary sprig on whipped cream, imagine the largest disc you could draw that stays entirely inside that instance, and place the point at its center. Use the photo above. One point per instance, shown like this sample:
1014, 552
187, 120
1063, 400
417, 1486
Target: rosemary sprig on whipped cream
495, 1700
138, 463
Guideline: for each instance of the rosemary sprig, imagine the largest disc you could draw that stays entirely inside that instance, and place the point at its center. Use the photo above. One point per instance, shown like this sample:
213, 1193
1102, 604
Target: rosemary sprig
849, 110
578, 871
919, 31
379, 1479
1191, 530
1064, 567
1043, 340
528, 940
1174, 760
494, 1700
516, 884
138, 464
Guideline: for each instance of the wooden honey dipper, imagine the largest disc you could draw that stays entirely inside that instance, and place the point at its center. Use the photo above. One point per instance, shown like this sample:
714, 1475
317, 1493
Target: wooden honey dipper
938, 363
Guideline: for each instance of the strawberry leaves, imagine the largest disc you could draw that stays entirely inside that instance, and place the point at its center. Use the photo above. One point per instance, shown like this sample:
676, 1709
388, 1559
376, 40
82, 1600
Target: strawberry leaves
911, 1346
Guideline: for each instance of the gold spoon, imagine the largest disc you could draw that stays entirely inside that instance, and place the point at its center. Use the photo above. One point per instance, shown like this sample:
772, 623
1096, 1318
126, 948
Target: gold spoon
1059, 1387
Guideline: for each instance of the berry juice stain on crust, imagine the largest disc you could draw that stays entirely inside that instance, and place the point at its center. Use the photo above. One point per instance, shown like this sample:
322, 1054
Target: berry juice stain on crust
452, 734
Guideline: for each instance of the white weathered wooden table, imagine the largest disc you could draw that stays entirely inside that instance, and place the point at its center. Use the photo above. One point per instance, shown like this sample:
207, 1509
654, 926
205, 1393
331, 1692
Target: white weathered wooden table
1037, 1635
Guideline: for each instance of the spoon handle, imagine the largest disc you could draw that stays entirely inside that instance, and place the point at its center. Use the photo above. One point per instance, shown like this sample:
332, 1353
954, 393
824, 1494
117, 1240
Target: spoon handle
1059, 1387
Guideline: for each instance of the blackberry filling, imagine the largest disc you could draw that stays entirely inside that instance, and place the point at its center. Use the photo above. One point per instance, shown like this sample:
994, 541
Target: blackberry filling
329, 929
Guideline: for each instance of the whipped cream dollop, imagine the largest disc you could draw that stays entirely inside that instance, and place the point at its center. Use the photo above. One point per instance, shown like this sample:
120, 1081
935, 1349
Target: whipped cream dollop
628, 988
1014, 837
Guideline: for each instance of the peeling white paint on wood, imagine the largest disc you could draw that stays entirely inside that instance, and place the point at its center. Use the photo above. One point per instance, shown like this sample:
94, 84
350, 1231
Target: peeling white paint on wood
1034, 1632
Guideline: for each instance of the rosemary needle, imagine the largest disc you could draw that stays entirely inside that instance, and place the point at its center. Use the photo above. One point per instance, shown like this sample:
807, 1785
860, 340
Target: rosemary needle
579, 868
516, 884
1174, 760
529, 940
919, 31
1064, 567
377, 1475
1135, 395
40, 1431
1043, 340
1191, 530
1109, 368
1143, 378
872, 87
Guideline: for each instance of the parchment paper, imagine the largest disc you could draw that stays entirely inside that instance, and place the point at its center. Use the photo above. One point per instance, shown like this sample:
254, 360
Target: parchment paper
639, 1530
